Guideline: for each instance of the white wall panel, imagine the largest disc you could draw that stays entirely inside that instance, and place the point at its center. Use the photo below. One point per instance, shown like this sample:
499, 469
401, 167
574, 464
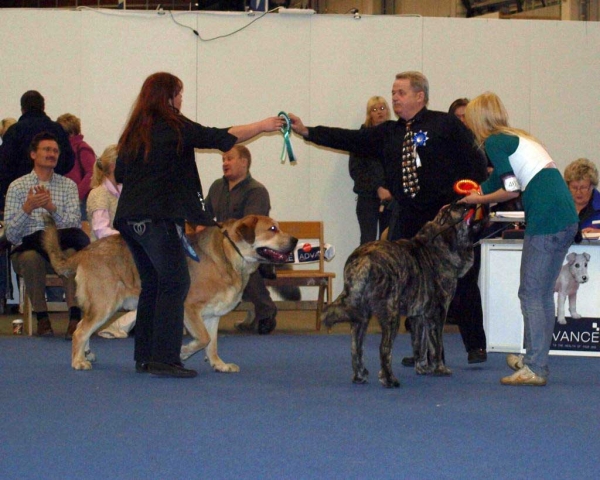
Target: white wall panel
466, 57
41, 51
254, 74
565, 81
117, 53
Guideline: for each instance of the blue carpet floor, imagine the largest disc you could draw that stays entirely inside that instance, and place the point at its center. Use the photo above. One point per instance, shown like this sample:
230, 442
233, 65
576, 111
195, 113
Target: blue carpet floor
291, 413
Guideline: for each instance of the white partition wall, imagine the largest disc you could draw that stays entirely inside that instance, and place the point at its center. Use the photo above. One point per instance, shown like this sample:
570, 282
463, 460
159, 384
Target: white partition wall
322, 67
117, 53
43, 52
502, 317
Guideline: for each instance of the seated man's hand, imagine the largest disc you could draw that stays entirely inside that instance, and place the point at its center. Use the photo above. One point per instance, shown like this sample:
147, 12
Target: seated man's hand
47, 196
38, 197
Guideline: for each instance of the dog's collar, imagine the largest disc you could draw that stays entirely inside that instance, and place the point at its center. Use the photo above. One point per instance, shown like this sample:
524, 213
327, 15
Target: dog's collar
226, 235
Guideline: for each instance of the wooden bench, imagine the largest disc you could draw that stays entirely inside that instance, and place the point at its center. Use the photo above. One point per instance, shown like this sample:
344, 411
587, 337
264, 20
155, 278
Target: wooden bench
310, 274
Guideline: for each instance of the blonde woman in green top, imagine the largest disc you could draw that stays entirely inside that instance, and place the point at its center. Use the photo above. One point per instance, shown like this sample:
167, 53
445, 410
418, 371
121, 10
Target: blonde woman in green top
522, 165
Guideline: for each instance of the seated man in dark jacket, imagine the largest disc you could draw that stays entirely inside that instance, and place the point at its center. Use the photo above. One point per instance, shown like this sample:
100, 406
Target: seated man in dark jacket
14, 154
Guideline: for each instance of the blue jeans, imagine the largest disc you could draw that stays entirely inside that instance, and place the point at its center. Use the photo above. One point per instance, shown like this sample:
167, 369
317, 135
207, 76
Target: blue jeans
161, 262
542, 259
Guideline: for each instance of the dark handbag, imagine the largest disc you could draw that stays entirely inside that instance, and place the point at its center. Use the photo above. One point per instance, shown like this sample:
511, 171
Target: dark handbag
74, 238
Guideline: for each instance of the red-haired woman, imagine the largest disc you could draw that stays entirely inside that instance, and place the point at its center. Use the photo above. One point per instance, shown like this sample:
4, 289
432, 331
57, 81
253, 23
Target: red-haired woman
161, 189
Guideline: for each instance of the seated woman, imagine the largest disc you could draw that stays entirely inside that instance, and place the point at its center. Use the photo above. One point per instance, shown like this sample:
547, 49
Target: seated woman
101, 207
582, 178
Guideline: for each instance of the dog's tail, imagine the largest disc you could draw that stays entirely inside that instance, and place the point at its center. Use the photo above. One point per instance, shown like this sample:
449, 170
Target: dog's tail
60, 263
339, 312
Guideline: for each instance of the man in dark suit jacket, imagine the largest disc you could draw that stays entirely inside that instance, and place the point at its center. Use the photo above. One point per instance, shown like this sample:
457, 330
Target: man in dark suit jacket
444, 151
14, 154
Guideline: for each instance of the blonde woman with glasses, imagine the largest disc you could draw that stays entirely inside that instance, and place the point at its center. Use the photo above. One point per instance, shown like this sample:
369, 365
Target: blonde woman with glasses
369, 180
582, 179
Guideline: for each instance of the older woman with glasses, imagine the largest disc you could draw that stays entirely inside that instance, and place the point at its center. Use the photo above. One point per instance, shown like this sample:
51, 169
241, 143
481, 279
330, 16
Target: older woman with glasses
582, 178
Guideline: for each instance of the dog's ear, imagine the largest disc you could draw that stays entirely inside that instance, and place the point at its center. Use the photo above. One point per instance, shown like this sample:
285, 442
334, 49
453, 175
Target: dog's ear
571, 258
247, 228
587, 256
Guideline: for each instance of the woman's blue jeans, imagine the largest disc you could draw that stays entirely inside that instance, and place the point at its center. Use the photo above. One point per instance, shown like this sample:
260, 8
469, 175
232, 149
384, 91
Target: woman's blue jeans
542, 259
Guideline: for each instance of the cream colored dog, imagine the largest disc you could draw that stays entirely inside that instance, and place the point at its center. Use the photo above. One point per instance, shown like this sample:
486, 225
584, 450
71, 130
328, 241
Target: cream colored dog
107, 277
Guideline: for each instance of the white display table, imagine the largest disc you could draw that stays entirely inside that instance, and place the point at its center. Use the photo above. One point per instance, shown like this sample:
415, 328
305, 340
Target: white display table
503, 321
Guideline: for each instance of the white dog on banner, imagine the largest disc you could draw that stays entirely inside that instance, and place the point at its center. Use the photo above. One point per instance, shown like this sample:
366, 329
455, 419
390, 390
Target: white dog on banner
572, 274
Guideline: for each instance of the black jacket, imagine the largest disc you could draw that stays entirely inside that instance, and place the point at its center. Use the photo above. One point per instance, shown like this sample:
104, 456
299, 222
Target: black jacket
167, 185
367, 173
447, 152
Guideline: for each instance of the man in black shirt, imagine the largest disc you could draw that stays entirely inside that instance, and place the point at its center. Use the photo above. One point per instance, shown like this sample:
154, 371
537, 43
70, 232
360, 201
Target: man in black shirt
443, 149
445, 152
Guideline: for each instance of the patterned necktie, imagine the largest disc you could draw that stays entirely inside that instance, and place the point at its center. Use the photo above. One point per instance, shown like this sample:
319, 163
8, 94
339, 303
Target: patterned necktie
410, 181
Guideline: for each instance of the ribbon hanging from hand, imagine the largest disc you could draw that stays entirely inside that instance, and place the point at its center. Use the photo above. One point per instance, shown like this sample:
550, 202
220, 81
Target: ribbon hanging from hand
287, 143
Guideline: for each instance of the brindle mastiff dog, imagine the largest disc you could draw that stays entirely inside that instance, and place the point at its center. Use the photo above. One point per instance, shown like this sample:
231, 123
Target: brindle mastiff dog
107, 277
416, 278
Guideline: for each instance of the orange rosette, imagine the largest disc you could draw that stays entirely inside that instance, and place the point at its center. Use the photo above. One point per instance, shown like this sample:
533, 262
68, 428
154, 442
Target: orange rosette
466, 186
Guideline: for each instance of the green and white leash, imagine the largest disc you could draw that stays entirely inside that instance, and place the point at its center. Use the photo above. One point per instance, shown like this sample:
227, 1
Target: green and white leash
287, 143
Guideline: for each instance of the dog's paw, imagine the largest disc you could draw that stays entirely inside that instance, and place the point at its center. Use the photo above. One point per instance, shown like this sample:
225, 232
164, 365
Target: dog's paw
90, 356
187, 352
388, 381
223, 367
191, 348
361, 375
423, 369
575, 316
562, 321
184, 355
360, 379
81, 365
441, 371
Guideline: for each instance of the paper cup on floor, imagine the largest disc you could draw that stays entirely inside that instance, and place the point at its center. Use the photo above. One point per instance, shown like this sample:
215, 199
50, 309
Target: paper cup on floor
17, 326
